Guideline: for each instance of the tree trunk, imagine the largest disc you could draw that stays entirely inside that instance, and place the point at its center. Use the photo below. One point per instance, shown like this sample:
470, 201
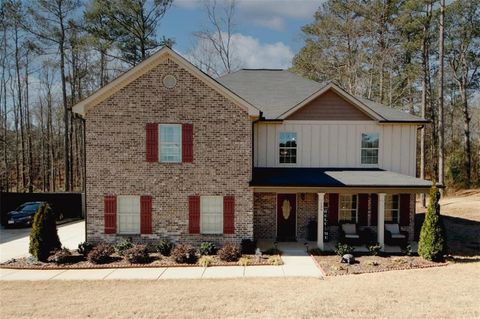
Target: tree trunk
441, 115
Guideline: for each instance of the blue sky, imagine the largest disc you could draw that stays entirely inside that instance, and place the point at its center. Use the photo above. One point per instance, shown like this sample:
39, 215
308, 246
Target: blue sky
267, 31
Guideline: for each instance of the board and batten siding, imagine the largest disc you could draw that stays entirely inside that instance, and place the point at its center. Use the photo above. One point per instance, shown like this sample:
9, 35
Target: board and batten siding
338, 144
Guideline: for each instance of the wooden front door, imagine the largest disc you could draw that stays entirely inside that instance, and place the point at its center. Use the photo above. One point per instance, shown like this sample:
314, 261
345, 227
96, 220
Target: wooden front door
286, 217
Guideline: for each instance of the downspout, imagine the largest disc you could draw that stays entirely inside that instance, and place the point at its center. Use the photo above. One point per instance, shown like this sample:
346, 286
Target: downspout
260, 117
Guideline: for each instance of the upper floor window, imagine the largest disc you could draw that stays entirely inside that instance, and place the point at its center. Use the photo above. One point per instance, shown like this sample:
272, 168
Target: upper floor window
288, 147
370, 148
170, 143
347, 208
392, 209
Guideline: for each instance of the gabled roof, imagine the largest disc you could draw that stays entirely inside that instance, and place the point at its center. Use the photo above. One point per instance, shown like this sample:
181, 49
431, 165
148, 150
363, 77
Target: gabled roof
148, 64
279, 93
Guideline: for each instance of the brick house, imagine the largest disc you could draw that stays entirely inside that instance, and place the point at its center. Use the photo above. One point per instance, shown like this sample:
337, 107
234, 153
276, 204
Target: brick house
260, 154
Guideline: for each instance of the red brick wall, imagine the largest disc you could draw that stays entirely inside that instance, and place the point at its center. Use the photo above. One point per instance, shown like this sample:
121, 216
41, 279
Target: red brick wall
116, 154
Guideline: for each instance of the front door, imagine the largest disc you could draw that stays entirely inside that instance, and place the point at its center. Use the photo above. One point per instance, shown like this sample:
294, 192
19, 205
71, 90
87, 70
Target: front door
286, 217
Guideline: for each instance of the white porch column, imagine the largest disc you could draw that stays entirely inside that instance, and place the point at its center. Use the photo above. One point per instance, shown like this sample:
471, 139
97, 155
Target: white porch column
321, 199
381, 220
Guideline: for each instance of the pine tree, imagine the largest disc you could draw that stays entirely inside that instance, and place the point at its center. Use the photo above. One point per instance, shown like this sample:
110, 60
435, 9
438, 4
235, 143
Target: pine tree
44, 236
432, 241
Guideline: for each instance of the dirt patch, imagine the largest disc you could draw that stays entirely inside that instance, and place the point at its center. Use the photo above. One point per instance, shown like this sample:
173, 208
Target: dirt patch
78, 262
332, 266
441, 292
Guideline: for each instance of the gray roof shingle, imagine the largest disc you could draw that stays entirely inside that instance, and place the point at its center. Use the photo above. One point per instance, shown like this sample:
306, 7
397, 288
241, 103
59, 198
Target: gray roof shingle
274, 92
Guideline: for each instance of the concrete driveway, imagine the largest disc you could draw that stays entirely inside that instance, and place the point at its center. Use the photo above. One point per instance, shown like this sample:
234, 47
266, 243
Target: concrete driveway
14, 242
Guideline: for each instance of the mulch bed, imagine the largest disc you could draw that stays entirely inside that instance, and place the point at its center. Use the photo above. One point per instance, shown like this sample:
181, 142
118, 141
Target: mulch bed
331, 266
157, 260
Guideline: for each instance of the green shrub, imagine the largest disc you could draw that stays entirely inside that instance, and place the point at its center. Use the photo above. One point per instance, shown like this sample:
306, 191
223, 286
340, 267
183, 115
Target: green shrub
184, 254
60, 256
164, 247
207, 248
407, 250
248, 246
343, 249
100, 254
84, 248
44, 236
138, 254
374, 249
432, 243
123, 245
273, 251
230, 252
205, 261
244, 261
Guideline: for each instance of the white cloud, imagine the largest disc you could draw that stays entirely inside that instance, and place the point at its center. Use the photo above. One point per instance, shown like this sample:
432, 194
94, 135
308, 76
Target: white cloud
248, 52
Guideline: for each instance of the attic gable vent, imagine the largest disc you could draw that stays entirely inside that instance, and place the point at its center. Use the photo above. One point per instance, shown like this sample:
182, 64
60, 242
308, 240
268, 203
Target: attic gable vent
169, 81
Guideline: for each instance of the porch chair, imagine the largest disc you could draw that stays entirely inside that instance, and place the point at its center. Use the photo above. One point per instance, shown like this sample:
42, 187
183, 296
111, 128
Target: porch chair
349, 235
394, 236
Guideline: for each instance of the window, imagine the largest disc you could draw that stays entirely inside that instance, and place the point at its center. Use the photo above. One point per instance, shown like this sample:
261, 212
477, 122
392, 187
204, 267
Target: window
348, 208
170, 143
211, 215
392, 205
370, 148
288, 147
128, 211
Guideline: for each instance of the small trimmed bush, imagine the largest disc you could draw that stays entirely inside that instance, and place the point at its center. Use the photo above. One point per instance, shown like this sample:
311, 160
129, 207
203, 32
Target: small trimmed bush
374, 249
432, 242
248, 246
60, 256
123, 245
230, 252
207, 248
343, 249
138, 254
273, 251
84, 248
244, 261
316, 252
164, 247
44, 237
275, 260
184, 254
205, 261
407, 250
100, 254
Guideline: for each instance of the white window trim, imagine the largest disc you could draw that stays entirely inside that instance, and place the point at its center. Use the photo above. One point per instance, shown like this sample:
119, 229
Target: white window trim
368, 148
340, 208
296, 148
202, 214
119, 213
168, 143
392, 210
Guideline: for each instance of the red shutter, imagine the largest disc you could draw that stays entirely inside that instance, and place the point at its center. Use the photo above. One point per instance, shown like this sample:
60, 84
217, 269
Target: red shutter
110, 213
363, 209
152, 142
145, 214
333, 209
229, 215
194, 214
374, 210
187, 143
404, 209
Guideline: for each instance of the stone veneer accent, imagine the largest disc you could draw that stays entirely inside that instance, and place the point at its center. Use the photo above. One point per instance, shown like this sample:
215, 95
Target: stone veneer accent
116, 164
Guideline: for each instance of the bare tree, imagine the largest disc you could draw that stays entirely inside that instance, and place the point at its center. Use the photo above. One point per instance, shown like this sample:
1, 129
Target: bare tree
441, 115
214, 42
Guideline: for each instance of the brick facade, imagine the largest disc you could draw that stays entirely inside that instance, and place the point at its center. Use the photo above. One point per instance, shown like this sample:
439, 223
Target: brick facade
116, 154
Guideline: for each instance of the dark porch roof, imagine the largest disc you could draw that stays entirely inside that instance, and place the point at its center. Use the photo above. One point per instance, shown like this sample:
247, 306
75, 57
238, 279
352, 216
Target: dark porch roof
334, 177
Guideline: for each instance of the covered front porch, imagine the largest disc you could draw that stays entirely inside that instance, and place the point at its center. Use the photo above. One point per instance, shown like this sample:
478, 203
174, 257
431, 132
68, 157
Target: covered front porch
323, 207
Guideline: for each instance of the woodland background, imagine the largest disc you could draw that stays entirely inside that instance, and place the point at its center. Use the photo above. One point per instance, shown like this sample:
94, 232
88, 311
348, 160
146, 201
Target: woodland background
419, 56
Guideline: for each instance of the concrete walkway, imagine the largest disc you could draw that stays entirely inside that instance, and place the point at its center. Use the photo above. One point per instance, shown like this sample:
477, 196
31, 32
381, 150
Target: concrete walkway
296, 264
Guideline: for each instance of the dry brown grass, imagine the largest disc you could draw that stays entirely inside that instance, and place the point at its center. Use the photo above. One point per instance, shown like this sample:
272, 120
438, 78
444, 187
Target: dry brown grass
444, 292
